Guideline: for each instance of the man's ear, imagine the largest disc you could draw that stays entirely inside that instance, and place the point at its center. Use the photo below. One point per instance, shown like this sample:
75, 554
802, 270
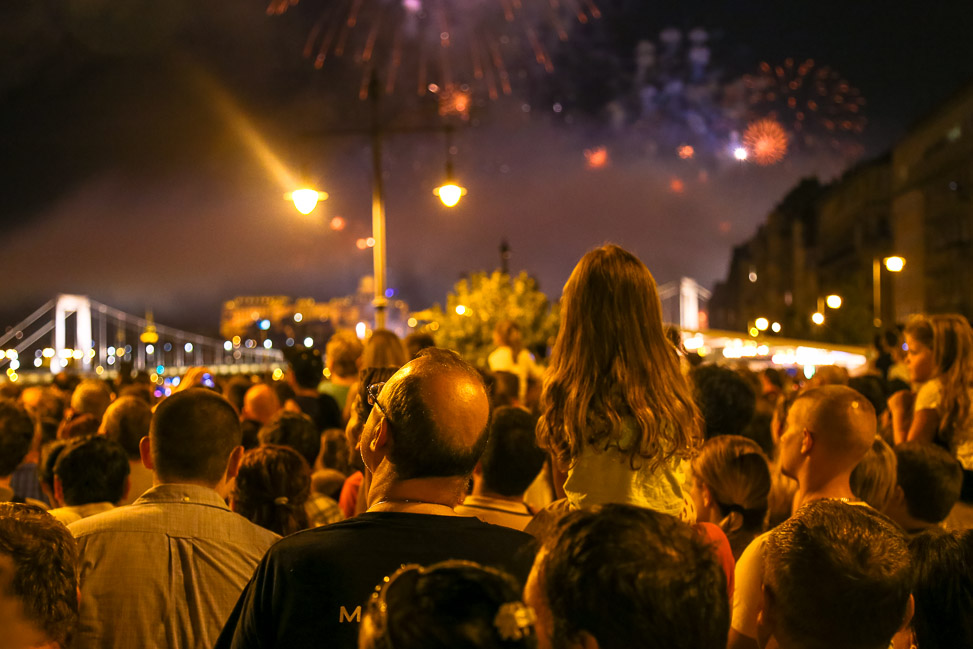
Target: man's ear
807, 441
233, 463
145, 452
380, 439
707, 495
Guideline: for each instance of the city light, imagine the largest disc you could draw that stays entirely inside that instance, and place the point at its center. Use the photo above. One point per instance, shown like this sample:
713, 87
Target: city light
818, 318
150, 349
450, 193
775, 327
309, 342
833, 301
305, 200
740, 153
264, 324
298, 317
360, 330
754, 332
894, 264
412, 323
188, 347
460, 310
762, 324
227, 345
268, 343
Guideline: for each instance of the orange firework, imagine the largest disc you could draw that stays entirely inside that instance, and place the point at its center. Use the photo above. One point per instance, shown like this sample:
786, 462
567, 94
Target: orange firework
766, 141
597, 158
813, 102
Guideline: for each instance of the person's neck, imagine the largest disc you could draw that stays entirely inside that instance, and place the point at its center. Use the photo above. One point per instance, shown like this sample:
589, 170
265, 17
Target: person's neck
913, 525
337, 379
479, 489
305, 392
419, 496
812, 487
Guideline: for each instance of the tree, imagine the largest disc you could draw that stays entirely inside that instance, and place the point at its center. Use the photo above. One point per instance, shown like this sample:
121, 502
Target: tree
477, 304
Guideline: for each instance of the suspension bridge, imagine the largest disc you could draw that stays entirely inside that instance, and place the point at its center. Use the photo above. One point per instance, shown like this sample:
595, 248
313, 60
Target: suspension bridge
76, 333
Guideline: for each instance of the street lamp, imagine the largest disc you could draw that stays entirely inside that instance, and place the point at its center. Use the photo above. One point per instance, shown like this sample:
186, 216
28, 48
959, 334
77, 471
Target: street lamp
305, 200
449, 192
832, 302
892, 264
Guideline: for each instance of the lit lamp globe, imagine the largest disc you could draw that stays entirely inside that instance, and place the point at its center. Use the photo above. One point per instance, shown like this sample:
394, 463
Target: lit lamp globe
818, 318
894, 264
450, 193
833, 301
305, 200
762, 324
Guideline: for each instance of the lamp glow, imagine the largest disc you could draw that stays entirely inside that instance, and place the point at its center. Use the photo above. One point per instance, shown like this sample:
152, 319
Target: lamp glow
894, 264
305, 200
762, 324
818, 318
833, 301
450, 193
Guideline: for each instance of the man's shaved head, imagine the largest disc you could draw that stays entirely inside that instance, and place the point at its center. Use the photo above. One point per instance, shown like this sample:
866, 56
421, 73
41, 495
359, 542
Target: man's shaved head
841, 419
438, 412
261, 403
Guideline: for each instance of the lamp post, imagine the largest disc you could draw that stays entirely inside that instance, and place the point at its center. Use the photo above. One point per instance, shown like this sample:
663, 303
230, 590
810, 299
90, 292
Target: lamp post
832, 302
449, 193
893, 265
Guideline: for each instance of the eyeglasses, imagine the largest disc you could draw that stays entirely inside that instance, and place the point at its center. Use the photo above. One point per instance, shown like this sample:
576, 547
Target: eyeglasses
373, 391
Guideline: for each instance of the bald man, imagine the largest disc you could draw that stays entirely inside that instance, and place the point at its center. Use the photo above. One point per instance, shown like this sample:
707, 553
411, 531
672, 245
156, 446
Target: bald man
829, 429
421, 442
260, 403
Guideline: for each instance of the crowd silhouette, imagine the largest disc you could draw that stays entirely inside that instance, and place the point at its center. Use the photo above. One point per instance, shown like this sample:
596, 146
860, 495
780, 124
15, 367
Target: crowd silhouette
618, 493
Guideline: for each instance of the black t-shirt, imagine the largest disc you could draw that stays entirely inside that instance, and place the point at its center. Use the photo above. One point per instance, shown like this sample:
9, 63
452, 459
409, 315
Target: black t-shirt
310, 589
323, 409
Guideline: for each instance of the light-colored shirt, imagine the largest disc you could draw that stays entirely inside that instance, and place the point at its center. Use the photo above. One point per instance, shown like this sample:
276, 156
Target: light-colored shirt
165, 571
496, 511
70, 514
930, 397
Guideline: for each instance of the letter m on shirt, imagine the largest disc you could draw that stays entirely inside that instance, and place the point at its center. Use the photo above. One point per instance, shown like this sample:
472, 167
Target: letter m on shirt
345, 616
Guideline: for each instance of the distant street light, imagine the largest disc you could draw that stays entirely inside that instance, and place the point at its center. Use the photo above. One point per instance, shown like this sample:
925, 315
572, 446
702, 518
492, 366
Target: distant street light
817, 318
893, 264
833, 301
305, 200
450, 193
762, 324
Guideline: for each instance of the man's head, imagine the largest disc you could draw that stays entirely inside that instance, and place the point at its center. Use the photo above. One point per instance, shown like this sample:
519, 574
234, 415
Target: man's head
512, 459
835, 576
192, 437
828, 431
342, 353
260, 403
38, 578
127, 421
307, 368
725, 399
294, 430
929, 482
623, 577
91, 397
16, 435
430, 419
91, 470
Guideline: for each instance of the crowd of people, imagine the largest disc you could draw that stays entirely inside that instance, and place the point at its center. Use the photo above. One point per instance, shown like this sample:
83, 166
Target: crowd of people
620, 493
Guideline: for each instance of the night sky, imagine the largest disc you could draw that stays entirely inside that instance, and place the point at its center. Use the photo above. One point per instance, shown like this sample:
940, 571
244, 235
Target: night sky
132, 170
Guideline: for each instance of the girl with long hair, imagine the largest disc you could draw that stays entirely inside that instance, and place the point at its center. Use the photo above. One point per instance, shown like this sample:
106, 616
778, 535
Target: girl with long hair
617, 412
272, 488
940, 361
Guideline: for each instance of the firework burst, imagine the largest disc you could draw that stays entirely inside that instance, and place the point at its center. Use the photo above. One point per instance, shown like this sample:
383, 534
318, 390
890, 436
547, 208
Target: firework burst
765, 141
448, 48
814, 103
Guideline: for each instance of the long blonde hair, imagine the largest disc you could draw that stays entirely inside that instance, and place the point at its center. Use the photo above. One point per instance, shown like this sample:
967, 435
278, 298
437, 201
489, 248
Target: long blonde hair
951, 339
612, 364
